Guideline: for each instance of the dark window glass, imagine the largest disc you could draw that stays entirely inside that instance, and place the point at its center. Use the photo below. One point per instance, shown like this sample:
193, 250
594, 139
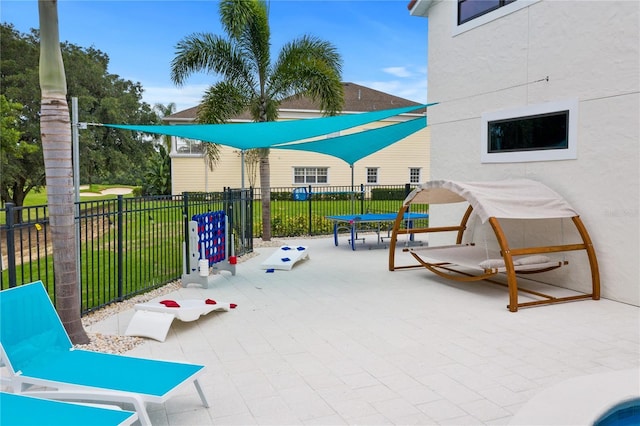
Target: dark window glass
532, 133
414, 175
372, 175
471, 9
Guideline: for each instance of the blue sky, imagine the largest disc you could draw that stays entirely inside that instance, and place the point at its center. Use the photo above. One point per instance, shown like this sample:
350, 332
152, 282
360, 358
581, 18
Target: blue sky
382, 46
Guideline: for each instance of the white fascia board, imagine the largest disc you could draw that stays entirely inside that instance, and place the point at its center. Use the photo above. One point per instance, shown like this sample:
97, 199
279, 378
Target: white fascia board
421, 8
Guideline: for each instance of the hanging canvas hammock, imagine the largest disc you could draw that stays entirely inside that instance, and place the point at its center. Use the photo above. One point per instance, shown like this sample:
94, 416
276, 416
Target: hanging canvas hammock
521, 199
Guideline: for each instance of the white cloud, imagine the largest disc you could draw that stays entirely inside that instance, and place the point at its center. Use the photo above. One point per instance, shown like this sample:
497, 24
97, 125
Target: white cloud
184, 97
411, 89
401, 72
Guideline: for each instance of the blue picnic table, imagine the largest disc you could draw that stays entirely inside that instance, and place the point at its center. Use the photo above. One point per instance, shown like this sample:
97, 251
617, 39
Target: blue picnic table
352, 222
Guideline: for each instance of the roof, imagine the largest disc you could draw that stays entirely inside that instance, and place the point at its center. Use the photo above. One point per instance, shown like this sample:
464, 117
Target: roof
506, 199
419, 7
357, 98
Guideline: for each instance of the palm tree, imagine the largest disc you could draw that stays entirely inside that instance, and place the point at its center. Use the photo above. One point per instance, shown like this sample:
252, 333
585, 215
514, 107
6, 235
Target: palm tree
55, 129
306, 66
165, 111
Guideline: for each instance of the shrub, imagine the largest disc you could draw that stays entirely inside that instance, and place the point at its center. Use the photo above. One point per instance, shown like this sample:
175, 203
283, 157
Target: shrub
388, 194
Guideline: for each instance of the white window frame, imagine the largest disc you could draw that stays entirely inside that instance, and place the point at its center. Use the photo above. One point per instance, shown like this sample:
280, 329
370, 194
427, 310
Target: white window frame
419, 169
487, 17
293, 172
570, 153
178, 142
377, 173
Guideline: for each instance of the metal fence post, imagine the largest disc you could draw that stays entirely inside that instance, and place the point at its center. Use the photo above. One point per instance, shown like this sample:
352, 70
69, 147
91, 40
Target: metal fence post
229, 196
11, 244
248, 233
120, 240
185, 220
309, 199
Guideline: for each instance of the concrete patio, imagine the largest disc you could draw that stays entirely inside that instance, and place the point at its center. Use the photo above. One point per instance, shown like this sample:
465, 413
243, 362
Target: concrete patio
341, 340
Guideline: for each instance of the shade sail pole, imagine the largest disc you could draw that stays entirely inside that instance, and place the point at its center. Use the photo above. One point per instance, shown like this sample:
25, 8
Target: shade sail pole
243, 200
242, 169
353, 194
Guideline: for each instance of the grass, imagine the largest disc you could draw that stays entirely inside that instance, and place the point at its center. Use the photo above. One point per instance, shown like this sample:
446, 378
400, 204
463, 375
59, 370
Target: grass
39, 198
151, 256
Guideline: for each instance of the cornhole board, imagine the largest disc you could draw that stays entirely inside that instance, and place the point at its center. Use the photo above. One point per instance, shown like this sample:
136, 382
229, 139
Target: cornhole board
153, 319
285, 257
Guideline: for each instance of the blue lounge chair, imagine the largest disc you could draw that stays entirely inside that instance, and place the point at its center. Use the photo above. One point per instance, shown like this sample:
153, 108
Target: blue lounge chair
26, 411
36, 351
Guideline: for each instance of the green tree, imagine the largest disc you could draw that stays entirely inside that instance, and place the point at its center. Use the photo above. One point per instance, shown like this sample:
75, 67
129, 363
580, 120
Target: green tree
9, 133
106, 155
19, 83
11, 151
250, 81
55, 128
158, 176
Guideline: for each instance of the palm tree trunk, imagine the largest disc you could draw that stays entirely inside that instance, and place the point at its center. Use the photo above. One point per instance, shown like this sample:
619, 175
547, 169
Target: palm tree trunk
55, 130
265, 194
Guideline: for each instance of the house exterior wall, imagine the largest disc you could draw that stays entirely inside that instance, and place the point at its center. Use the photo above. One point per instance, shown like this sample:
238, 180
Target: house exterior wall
190, 174
589, 52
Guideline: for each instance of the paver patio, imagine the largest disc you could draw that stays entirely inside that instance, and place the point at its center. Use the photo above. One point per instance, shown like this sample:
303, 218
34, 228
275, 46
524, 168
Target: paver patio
341, 340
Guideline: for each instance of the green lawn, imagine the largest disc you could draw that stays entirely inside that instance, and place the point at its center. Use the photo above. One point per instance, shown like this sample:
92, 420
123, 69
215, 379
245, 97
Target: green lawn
39, 198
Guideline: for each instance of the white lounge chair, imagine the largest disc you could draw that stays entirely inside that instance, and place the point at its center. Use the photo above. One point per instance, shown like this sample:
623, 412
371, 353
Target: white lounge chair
36, 351
153, 319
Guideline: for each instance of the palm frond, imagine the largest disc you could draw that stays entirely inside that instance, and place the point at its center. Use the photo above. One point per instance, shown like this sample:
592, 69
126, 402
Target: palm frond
223, 101
201, 52
236, 15
310, 67
211, 154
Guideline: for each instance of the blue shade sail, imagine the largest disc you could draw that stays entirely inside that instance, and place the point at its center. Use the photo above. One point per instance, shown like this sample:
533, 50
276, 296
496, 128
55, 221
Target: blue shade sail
353, 147
245, 136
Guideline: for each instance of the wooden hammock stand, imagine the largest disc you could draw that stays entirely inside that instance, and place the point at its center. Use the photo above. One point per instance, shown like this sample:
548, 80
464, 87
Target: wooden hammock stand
450, 265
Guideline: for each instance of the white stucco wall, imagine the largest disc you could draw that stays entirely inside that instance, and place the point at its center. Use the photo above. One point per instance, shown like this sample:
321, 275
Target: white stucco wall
589, 52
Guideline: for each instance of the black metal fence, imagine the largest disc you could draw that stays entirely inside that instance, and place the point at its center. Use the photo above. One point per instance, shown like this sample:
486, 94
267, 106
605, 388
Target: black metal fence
127, 246
302, 210
131, 245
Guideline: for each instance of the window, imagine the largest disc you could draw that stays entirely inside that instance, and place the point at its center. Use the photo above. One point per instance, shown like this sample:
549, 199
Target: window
535, 133
414, 175
310, 175
188, 146
372, 175
469, 14
471, 9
